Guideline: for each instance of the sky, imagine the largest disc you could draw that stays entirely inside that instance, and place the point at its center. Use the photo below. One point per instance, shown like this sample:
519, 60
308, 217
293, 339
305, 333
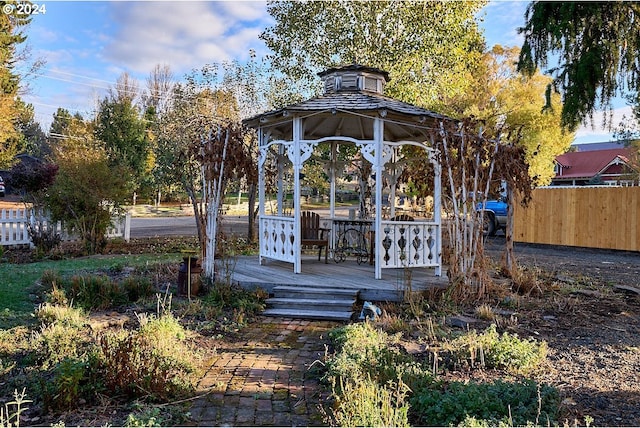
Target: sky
86, 45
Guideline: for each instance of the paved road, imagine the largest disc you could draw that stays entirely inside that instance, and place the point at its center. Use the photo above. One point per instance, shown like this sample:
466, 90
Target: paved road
146, 227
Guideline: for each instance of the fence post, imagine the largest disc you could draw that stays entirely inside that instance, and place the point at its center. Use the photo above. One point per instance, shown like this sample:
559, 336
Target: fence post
127, 226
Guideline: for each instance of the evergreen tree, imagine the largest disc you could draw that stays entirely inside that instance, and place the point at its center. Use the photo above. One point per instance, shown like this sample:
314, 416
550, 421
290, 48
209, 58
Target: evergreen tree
10, 37
598, 46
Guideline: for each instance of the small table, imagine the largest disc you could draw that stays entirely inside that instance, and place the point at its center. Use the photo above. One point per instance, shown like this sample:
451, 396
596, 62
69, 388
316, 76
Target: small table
352, 237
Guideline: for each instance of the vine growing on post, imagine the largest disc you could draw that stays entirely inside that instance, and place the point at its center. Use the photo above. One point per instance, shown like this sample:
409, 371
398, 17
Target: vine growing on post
474, 163
222, 154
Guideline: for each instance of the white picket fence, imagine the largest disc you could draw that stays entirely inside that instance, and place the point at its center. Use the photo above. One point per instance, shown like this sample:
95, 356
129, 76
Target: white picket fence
13, 227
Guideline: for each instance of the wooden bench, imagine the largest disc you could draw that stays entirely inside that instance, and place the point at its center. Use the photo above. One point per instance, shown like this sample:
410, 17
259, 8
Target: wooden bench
402, 217
313, 234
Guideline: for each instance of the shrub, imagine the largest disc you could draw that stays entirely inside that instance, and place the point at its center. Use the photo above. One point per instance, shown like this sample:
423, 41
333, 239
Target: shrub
49, 313
151, 416
497, 351
145, 418
44, 238
96, 292
153, 361
498, 403
58, 341
67, 386
364, 352
14, 340
164, 331
244, 303
137, 287
370, 377
368, 404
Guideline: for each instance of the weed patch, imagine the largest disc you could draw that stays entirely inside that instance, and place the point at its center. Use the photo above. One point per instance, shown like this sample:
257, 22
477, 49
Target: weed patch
368, 404
492, 350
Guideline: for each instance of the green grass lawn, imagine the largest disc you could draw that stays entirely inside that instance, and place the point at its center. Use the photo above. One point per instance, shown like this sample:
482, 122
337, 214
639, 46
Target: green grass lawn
17, 280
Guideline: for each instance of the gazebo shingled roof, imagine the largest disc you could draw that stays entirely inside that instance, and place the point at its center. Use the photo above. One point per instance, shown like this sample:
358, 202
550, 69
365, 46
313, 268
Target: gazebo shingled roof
354, 101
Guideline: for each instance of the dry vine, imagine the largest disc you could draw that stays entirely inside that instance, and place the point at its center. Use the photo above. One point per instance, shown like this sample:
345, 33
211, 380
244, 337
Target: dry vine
474, 164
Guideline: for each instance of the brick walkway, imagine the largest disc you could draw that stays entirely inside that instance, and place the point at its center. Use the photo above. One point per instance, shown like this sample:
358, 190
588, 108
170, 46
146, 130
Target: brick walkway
265, 379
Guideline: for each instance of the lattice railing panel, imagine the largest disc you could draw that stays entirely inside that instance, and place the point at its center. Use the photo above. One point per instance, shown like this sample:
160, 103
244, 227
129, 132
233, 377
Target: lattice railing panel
408, 244
277, 238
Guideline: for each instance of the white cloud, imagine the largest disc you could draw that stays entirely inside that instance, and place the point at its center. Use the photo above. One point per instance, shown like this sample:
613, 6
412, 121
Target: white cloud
596, 131
185, 35
54, 57
506, 18
245, 10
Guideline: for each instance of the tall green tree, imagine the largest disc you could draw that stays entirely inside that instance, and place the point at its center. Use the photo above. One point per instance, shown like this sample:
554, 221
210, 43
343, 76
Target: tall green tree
597, 45
11, 35
428, 47
64, 124
122, 130
61, 121
33, 138
67, 126
87, 191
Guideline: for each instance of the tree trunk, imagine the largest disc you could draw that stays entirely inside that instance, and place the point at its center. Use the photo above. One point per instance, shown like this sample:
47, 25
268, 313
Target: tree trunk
197, 215
214, 185
510, 261
251, 212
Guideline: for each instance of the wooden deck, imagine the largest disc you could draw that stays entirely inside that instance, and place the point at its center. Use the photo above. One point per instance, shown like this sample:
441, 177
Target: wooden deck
347, 275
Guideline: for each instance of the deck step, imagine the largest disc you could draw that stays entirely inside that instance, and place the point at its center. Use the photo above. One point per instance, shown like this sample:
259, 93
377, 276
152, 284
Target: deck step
317, 303
310, 314
286, 291
326, 304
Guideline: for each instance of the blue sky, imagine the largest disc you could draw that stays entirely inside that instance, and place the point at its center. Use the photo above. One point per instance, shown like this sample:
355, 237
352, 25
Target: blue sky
88, 44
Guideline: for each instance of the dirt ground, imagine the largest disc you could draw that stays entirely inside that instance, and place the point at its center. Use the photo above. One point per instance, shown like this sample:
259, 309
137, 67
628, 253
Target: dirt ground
593, 333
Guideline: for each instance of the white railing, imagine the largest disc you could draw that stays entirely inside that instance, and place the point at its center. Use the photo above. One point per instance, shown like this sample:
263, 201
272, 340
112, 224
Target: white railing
408, 244
13, 227
277, 238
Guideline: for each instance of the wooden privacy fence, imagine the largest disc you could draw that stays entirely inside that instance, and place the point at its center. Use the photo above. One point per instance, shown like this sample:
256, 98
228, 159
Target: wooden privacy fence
594, 217
13, 227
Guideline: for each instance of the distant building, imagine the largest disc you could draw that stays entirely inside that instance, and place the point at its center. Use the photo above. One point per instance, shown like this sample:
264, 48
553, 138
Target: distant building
587, 147
607, 167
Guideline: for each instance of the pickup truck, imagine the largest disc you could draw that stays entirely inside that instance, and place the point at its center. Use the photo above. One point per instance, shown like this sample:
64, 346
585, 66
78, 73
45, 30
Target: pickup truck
495, 215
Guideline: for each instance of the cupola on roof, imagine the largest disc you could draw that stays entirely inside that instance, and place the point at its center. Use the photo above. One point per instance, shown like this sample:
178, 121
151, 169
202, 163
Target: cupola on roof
352, 99
354, 78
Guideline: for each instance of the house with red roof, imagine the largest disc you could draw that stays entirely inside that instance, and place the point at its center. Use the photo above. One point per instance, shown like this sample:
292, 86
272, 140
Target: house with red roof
609, 167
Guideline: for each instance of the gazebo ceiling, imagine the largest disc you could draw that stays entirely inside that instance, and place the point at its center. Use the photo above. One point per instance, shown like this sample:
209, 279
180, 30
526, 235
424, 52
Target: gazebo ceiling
352, 99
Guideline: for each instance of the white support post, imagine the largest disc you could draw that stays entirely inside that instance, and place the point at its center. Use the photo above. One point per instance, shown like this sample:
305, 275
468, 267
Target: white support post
280, 199
297, 167
332, 178
393, 180
437, 209
378, 137
261, 190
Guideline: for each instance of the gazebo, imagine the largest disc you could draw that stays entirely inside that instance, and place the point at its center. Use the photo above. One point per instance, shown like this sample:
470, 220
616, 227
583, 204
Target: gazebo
352, 111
